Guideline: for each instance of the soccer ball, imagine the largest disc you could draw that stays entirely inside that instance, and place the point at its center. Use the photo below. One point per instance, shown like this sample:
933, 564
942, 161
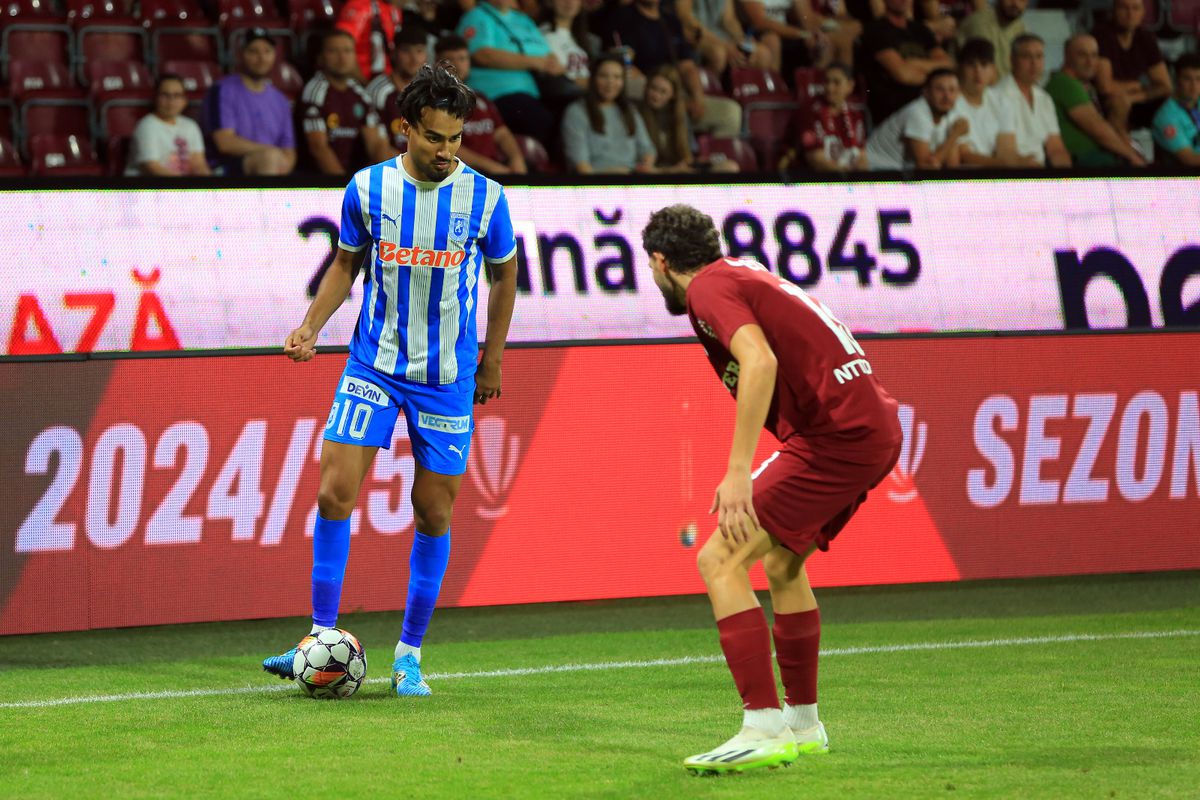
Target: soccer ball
330, 665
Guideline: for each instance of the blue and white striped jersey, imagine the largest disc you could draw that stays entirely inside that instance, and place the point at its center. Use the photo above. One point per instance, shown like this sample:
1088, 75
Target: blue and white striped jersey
428, 242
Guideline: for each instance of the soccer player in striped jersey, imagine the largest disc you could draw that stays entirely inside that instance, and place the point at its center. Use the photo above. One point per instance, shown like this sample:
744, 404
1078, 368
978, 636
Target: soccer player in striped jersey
427, 224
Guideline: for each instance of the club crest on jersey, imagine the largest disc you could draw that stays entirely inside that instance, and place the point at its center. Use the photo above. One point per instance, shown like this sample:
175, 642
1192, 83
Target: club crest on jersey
459, 225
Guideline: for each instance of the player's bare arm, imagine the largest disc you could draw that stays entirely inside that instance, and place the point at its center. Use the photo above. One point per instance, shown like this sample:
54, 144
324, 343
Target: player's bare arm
301, 344
756, 385
501, 297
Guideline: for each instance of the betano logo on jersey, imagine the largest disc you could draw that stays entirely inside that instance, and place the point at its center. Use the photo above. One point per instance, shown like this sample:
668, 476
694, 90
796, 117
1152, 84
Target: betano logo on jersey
392, 253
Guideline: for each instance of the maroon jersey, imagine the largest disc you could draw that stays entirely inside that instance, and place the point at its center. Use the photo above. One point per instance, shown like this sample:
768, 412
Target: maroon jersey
841, 135
479, 132
823, 386
340, 114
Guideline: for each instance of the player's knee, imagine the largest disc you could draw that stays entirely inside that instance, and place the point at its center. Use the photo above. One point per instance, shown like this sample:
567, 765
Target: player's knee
432, 517
714, 562
335, 501
781, 568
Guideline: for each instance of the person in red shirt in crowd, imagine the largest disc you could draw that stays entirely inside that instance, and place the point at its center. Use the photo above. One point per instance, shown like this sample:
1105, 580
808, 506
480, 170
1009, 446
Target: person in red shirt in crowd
795, 370
372, 24
487, 143
833, 134
341, 129
408, 56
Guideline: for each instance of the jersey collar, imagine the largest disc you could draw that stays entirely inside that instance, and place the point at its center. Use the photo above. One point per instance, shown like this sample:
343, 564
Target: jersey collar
458, 167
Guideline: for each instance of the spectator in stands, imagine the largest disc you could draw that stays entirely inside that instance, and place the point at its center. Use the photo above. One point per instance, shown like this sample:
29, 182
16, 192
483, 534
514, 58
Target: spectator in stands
655, 37
936, 16
165, 142
248, 120
566, 31
1132, 76
506, 50
439, 16
926, 133
1001, 25
341, 129
664, 111
790, 43
1091, 139
1177, 123
833, 134
372, 26
603, 133
487, 143
1034, 118
899, 55
408, 56
712, 28
992, 140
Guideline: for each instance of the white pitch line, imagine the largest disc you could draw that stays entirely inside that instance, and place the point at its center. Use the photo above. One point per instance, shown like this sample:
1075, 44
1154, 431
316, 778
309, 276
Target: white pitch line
549, 669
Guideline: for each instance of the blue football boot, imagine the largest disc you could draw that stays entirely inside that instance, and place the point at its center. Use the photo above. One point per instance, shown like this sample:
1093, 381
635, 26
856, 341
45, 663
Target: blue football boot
406, 677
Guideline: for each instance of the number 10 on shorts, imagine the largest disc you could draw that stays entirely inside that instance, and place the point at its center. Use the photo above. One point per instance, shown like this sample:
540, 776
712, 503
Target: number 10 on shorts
348, 413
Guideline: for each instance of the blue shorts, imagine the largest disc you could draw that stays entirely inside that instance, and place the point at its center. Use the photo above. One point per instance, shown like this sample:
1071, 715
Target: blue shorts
440, 418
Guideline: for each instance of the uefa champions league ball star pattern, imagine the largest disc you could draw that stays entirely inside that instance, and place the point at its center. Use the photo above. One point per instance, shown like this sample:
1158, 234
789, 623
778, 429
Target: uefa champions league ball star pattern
330, 665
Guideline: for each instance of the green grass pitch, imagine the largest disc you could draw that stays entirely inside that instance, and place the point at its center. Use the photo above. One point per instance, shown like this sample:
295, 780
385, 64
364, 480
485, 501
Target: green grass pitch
1064, 688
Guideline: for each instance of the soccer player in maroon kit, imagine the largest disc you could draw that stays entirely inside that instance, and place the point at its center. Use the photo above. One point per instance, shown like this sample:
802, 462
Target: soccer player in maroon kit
797, 371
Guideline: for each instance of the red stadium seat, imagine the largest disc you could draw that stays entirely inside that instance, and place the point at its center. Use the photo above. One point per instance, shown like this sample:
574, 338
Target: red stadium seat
160, 13
22, 9
198, 76
118, 119
40, 78
8, 113
185, 43
103, 12
55, 154
10, 161
810, 84
234, 14
739, 151
758, 86
537, 159
710, 82
287, 79
109, 43
35, 41
108, 80
1184, 16
307, 14
58, 116
768, 126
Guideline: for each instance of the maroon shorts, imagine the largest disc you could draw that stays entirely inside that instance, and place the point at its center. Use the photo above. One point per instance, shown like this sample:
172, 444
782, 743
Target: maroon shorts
805, 496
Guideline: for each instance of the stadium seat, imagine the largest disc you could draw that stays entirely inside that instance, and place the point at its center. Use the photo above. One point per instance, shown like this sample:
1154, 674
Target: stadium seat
159, 13
40, 78
710, 82
118, 119
112, 43
1184, 16
768, 127
234, 14
34, 41
287, 79
719, 148
304, 15
8, 113
198, 76
537, 159
10, 160
12, 10
104, 12
57, 116
186, 43
108, 80
810, 84
55, 154
758, 86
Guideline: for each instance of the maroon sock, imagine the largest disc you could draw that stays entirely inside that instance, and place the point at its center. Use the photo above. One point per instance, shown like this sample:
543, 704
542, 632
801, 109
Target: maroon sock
746, 642
797, 641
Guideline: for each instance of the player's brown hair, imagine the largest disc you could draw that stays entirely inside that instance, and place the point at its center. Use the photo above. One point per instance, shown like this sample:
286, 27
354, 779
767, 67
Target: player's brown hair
686, 237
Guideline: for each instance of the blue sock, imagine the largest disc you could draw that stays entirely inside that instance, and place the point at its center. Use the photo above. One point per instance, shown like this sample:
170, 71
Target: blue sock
427, 565
331, 549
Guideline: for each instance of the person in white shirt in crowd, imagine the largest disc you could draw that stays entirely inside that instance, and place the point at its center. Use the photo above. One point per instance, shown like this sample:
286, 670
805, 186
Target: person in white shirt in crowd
992, 140
925, 134
165, 142
565, 27
1038, 136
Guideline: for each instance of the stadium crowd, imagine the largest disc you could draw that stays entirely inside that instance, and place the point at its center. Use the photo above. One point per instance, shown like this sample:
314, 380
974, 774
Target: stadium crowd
243, 87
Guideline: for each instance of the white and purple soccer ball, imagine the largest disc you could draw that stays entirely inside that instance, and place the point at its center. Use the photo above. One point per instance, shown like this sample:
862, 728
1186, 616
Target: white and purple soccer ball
330, 665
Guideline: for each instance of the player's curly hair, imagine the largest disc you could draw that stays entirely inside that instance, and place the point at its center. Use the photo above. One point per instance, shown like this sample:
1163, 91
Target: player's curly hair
436, 86
686, 237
